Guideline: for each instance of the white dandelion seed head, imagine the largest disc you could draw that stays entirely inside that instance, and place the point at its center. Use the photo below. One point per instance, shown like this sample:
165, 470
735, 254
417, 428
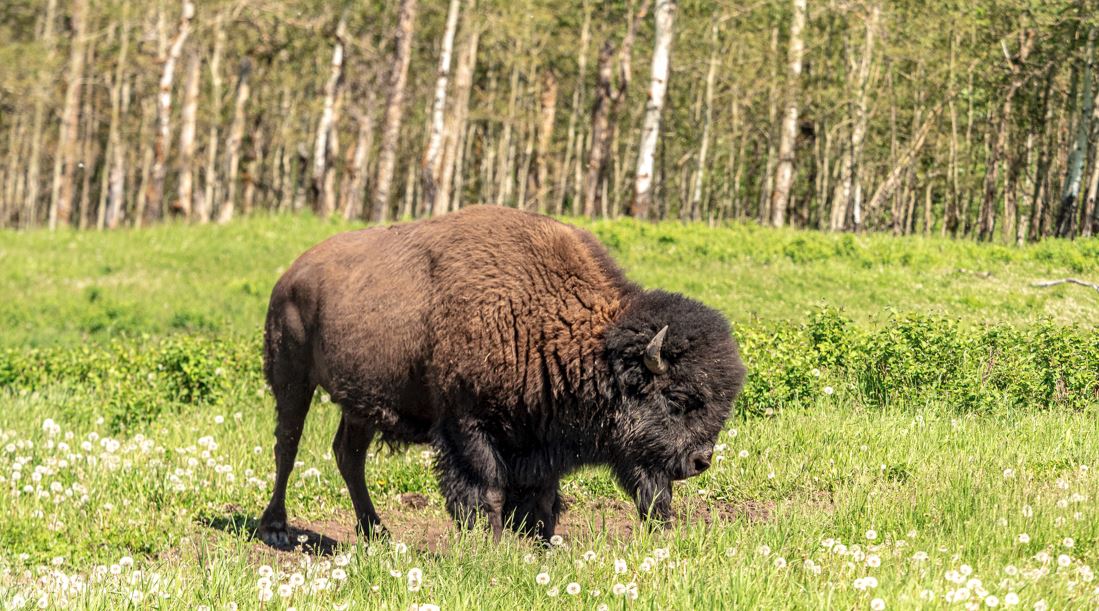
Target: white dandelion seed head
542, 579
573, 589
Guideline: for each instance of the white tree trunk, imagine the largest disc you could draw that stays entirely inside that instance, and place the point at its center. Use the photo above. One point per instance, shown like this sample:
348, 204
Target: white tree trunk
708, 117
1070, 192
187, 139
456, 122
232, 147
65, 164
658, 87
116, 185
394, 111
847, 197
784, 170
209, 199
432, 164
42, 91
323, 201
163, 137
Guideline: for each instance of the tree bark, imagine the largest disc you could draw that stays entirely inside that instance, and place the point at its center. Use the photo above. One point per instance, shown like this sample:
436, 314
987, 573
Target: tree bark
394, 111
116, 185
577, 103
608, 98
211, 191
455, 124
1070, 193
784, 171
34, 181
65, 164
353, 189
546, 117
322, 200
986, 218
185, 203
433, 154
664, 16
708, 118
232, 146
162, 142
847, 200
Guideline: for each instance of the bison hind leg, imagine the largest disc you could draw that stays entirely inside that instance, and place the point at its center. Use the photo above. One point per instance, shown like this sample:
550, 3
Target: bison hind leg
350, 448
292, 404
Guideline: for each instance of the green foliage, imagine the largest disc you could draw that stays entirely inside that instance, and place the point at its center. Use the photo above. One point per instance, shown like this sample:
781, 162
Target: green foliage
133, 383
915, 359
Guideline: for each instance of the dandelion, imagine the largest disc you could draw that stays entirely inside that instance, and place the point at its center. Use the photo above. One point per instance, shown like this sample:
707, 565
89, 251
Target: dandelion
557, 540
618, 589
743, 454
620, 566
572, 589
1041, 605
828, 390
1068, 542
265, 595
873, 561
285, 590
1011, 599
589, 555
1024, 538
136, 596
1064, 560
296, 580
764, 550
400, 548
920, 556
339, 574
552, 592
265, 571
528, 559
871, 534
645, 566
927, 595
542, 579
428, 607
780, 563
661, 553
992, 601
1028, 511
877, 604
219, 419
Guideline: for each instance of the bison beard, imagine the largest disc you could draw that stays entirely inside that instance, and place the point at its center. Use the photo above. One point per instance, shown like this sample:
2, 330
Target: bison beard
511, 343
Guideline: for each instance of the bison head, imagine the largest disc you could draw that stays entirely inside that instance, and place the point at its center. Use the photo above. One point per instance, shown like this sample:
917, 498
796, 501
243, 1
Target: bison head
676, 371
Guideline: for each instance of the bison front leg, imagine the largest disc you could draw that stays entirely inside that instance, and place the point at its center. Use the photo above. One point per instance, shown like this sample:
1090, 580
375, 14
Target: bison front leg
534, 511
471, 476
350, 447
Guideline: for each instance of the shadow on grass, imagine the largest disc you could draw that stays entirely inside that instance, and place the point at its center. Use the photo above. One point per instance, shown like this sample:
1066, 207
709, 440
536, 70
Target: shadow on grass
245, 526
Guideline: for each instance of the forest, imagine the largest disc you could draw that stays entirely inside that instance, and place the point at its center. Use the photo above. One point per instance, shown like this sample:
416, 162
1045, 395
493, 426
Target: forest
967, 119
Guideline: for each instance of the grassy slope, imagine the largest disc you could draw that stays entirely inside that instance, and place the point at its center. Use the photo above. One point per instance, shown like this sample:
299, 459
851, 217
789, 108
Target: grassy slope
960, 489
77, 286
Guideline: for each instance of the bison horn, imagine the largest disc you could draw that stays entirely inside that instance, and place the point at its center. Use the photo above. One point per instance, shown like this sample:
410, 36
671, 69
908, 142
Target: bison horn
652, 353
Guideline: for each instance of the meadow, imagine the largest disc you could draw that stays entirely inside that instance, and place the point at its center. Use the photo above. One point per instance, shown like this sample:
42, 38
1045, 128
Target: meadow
919, 429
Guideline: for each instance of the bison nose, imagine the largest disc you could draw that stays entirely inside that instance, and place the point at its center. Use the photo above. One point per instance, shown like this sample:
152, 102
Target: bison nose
700, 461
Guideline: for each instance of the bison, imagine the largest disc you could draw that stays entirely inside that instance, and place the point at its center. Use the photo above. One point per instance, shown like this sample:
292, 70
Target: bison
515, 346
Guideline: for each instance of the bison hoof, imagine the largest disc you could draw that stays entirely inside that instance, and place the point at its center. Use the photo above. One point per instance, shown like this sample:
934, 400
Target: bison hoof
275, 534
373, 531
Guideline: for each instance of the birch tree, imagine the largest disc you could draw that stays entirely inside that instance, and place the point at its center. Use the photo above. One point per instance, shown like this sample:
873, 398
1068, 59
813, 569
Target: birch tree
65, 165
394, 110
784, 170
185, 201
323, 199
658, 87
1070, 193
433, 154
162, 142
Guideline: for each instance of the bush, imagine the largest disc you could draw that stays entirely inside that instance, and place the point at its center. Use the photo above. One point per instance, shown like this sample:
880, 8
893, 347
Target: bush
132, 383
916, 359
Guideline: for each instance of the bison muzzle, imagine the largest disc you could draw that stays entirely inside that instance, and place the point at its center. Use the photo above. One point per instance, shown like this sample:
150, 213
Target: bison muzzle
511, 343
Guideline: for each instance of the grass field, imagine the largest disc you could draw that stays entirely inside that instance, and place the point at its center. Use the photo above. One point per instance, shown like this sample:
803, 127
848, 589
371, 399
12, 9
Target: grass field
852, 491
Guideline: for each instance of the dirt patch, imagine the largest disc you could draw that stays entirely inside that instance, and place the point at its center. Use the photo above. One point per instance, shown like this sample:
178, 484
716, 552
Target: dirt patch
414, 500
413, 519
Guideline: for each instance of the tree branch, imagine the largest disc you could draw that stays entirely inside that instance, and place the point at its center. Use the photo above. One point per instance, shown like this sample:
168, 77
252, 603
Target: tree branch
1049, 283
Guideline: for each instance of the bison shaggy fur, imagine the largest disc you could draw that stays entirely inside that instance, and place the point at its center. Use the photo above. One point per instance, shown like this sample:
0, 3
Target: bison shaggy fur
511, 343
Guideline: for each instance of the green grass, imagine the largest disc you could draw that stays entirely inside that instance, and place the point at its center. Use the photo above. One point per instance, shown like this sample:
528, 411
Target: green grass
943, 489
